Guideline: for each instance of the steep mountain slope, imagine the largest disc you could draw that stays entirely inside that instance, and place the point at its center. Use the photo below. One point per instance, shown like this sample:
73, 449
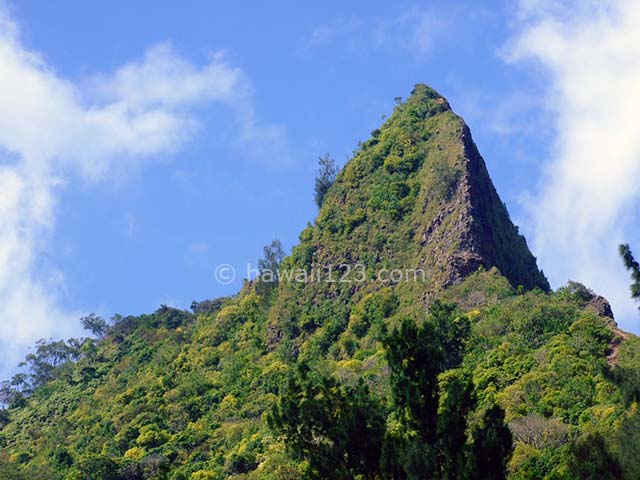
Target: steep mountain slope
418, 194
182, 396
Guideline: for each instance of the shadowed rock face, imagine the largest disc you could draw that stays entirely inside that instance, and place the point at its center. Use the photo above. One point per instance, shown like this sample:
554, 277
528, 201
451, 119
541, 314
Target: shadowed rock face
472, 228
483, 230
601, 306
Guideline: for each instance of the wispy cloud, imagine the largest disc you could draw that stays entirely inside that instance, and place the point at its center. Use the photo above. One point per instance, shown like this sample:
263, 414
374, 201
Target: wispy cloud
53, 130
590, 52
326, 34
414, 30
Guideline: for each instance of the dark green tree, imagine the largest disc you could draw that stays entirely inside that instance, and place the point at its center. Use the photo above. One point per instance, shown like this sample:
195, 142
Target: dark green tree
592, 460
269, 264
97, 467
415, 359
326, 175
632, 265
492, 446
47, 361
452, 329
96, 325
10, 393
457, 401
433, 403
338, 429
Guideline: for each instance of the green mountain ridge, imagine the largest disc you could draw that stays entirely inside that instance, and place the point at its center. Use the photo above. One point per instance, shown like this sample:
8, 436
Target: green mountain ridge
181, 395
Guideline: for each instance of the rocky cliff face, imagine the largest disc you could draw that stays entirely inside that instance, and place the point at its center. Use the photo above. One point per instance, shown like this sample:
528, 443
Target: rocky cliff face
479, 227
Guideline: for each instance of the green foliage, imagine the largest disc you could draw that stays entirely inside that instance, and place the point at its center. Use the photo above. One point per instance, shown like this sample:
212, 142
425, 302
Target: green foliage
172, 392
326, 175
179, 395
632, 265
433, 404
415, 359
337, 429
445, 179
269, 267
492, 446
96, 467
456, 403
95, 324
591, 460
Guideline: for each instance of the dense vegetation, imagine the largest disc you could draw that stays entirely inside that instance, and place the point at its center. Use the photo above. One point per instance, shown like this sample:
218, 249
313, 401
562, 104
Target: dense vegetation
341, 430
460, 374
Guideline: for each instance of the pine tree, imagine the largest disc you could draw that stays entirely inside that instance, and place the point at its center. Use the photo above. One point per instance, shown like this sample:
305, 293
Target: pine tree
492, 446
338, 429
632, 265
415, 359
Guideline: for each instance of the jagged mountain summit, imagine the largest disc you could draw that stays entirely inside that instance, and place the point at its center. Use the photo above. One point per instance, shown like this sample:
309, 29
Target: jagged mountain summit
422, 174
185, 396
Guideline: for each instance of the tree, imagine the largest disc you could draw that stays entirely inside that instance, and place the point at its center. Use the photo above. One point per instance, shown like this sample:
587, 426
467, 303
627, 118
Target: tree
492, 446
269, 267
592, 460
10, 470
208, 307
326, 175
96, 467
96, 325
415, 359
10, 393
540, 432
338, 429
433, 402
270, 263
632, 265
452, 330
457, 401
47, 361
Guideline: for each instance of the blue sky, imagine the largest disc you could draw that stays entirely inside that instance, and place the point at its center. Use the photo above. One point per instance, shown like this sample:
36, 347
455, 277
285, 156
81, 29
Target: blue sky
168, 139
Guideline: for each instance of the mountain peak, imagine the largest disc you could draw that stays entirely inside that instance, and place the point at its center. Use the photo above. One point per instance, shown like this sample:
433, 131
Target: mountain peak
422, 93
417, 194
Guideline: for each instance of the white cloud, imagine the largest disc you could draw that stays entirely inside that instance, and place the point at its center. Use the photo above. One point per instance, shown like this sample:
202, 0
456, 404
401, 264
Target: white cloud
589, 193
53, 130
414, 30
164, 79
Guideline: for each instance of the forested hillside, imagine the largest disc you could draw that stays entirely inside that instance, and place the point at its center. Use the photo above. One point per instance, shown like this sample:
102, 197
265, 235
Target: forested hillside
463, 365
